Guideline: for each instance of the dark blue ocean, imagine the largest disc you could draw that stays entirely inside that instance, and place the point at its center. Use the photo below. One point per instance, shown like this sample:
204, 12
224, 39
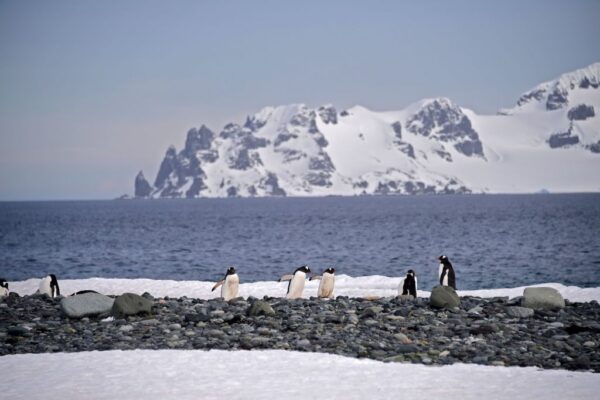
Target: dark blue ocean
492, 240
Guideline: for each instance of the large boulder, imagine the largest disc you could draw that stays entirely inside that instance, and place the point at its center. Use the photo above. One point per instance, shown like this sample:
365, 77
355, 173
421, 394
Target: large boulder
542, 298
130, 304
444, 297
86, 304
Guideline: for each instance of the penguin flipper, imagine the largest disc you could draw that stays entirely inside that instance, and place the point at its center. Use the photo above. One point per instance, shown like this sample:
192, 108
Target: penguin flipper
218, 284
315, 278
286, 278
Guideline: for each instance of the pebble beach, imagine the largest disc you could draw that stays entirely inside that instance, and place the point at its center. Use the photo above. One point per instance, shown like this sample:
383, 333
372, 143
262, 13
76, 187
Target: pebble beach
494, 331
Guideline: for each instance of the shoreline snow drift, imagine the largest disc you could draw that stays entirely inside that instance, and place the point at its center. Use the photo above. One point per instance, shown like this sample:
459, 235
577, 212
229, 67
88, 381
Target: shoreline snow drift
364, 286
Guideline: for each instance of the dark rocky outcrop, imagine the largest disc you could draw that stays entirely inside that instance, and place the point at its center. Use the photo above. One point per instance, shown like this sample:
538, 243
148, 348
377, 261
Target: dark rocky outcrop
563, 139
581, 112
142, 187
328, 114
198, 139
440, 120
397, 127
271, 184
558, 98
594, 147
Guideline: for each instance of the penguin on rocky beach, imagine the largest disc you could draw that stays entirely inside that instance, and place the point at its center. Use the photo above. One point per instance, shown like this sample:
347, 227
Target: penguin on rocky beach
230, 285
297, 280
83, 292
446, 273
49, 286
408, 284
327, 281
3, 287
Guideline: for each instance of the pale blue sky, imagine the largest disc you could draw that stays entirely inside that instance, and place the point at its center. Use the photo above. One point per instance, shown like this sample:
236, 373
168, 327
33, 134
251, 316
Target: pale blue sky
93, 91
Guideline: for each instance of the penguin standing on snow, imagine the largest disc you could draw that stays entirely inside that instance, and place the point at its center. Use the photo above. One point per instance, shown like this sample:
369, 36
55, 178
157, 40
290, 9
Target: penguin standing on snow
408, 285
446, 273
49, 286
326, 285
230, 285
297, 280
3, 288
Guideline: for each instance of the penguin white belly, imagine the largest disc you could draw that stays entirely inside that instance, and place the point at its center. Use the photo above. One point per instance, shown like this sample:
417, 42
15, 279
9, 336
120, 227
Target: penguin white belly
296, 286
229, 289
445, 280
401, 286
45, 287
441, 270
326, 286
416, 285
3, 291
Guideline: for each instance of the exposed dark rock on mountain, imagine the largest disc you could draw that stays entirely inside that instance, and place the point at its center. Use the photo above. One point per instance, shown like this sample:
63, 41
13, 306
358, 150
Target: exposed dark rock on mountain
142, 187
581, 112
439, 119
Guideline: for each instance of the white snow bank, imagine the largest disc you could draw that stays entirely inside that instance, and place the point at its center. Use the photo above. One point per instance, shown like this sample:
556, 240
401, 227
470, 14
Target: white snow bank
345, 285
274, 374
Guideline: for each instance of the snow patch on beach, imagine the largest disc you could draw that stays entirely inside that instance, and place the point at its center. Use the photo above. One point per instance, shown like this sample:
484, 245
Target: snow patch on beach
218, 374
364, 286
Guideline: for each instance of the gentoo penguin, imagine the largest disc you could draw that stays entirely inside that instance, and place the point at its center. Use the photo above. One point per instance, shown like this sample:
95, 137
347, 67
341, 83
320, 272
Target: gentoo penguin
326, 285
446, 272
408, 285
3, 288
296, 285
83, 292
230, 284
49, 286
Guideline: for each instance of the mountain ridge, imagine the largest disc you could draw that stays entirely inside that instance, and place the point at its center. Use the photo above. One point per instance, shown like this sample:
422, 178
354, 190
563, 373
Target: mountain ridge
549, 140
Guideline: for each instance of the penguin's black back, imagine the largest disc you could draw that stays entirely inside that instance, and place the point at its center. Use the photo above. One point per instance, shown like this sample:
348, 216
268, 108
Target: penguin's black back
451, 278
449, 270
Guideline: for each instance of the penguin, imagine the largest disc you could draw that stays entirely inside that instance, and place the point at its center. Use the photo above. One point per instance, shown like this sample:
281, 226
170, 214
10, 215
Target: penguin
296, 285
326, 285
446, 273
3, 288
230, 284
49, 286
83, 292
408, 285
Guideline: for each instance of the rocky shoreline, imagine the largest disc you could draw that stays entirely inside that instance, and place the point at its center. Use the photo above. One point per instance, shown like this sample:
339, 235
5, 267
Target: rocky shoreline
487, 331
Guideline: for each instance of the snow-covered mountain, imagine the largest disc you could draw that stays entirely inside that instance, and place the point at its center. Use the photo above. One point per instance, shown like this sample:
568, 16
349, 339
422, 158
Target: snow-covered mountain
550, 140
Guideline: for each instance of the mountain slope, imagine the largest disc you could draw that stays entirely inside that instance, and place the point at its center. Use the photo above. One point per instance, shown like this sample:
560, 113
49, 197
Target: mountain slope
549, 140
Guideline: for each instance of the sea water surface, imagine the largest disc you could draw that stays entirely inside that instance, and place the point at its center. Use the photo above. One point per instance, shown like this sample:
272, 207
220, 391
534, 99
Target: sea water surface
492, 240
